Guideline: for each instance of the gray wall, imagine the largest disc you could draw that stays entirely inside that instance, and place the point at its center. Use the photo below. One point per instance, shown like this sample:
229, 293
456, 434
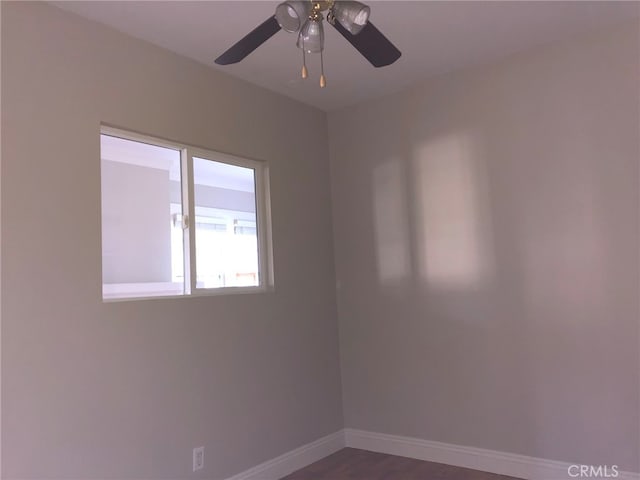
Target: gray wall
126, 390
486, 232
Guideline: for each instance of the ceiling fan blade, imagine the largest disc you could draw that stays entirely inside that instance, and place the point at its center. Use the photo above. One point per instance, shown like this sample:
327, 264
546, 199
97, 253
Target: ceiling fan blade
372, 44
250, 42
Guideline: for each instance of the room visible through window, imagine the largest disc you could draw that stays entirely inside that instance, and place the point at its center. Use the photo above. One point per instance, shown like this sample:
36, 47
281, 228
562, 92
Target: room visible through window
180, 221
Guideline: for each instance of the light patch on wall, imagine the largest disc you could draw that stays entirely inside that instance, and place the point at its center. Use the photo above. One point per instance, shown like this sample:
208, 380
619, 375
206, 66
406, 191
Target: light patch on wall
391, 222
452, 222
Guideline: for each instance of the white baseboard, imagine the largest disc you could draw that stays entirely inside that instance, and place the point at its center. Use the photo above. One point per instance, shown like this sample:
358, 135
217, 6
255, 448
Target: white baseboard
295, 459
501, 463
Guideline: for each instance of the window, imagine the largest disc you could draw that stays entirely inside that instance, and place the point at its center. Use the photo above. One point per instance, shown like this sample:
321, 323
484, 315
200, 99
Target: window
178, 220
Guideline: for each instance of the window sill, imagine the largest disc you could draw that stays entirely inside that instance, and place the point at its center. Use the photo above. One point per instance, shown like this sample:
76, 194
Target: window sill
125, 292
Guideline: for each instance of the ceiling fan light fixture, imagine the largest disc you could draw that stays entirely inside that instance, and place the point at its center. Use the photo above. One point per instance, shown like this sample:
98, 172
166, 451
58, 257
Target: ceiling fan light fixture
291, 14
350, 18
311, 37
352, 15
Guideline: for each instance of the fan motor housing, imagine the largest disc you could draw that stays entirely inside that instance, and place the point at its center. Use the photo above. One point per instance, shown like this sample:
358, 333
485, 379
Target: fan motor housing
324, 4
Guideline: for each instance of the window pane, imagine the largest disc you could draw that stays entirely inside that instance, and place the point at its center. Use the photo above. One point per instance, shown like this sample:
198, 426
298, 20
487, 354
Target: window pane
225, 225
142, 241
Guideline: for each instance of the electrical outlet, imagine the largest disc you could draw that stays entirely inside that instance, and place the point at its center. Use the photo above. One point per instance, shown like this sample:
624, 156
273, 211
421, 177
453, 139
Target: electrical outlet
198, 458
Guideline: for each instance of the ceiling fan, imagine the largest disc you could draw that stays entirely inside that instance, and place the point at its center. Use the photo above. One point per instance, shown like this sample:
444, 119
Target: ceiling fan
305, 17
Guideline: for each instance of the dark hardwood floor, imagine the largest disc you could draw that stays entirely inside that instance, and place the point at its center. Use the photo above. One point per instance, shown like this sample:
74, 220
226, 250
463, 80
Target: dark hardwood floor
354, 464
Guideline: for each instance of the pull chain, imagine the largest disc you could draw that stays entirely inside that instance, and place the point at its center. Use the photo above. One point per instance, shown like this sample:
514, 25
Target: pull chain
305, 74
323, 80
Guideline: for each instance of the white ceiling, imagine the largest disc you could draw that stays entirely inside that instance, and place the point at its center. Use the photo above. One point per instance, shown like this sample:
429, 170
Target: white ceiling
434, 37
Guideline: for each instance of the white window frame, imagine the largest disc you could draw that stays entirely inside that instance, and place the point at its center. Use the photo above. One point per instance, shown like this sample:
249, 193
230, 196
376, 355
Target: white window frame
263, 216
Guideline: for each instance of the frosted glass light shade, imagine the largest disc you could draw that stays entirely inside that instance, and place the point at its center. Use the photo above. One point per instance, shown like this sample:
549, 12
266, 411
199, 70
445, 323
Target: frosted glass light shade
291, 14
311, 37
352, 15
